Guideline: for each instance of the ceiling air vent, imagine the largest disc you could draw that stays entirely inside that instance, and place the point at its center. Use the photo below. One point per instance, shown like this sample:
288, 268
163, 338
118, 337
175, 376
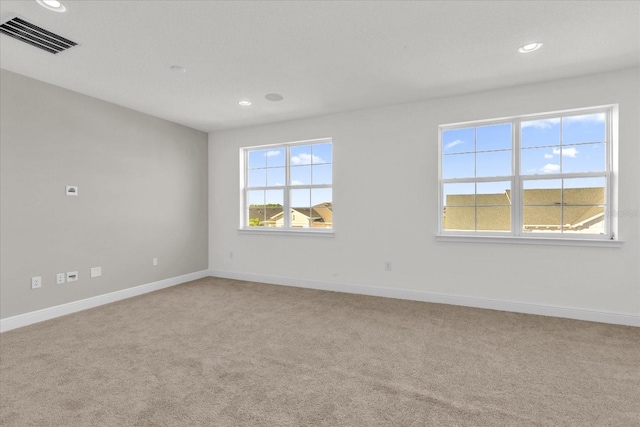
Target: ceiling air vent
36, 36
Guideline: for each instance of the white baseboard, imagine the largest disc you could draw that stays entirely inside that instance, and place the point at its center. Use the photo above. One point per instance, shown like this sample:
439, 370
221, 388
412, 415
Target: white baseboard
60, 310
493, 304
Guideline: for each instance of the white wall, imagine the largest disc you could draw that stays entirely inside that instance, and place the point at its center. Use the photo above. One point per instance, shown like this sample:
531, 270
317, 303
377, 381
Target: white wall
385, 164
142, 194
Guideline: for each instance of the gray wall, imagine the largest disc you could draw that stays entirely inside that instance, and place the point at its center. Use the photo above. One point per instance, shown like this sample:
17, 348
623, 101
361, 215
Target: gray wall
386, 205
142, 194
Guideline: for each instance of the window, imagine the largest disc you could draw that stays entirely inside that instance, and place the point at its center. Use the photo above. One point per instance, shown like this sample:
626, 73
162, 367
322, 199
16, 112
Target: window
534, 176
288, 187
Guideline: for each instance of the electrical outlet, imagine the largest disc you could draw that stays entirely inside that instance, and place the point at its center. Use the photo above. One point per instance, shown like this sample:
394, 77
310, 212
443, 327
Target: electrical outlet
72, 276
59, 278
72, 190
387, 265
96, 272
155, 261
36, 282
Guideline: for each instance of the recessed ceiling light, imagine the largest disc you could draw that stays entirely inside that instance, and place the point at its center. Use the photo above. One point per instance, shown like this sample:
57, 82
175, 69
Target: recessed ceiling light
274, 97
529, 47
54, 5
244, 103
178, 69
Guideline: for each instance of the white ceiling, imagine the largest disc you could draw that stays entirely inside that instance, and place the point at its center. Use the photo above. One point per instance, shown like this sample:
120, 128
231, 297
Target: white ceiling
322, 56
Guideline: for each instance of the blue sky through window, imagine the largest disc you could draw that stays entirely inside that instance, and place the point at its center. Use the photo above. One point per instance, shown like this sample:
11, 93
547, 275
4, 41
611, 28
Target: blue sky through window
569, 145
309, 165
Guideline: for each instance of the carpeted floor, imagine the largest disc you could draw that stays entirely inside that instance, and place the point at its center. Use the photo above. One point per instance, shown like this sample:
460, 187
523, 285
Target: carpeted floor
219, 352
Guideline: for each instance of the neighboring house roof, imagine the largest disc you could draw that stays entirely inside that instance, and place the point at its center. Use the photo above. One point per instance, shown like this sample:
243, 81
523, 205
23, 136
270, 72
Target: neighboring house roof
264, 213
544, 210
321, 213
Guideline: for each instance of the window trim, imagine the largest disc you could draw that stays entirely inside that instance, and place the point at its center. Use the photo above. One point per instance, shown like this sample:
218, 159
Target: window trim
516, 235
286, 229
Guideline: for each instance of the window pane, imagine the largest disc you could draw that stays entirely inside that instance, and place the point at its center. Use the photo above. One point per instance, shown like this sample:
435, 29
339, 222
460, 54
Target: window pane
583, 158
458, 166
540, 133
322, 153
275, 157
300, 198
300, 175
536, 161
322, 208
459, 194
255, 197
257, 159
584, 191
494, 193
300, 155
542, 219
274, 200
300, 217
321, 174
494, 218
257, 178
542, 192
275, 177
584, 128
255, 214
493, 163
459, 218
321, 196
494, 137
458, 141
583, 219
300, 214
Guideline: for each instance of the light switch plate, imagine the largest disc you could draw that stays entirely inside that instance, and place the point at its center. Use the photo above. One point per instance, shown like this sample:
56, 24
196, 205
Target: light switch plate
96, 272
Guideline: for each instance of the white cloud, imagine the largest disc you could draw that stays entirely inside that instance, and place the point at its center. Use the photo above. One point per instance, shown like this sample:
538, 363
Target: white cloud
567, 152
305, 159
550, 168
597, 118
548, 156
453, 144
294, 182
272, 153
541, 124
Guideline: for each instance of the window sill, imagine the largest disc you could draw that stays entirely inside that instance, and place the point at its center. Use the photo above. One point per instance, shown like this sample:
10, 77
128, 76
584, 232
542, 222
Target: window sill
276, 232
550, 241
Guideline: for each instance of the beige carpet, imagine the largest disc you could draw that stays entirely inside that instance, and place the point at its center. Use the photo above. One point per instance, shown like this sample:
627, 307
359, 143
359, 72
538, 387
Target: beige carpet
218, 352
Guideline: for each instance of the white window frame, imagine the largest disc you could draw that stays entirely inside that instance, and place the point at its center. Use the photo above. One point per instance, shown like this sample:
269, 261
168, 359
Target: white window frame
244, 189
516, 235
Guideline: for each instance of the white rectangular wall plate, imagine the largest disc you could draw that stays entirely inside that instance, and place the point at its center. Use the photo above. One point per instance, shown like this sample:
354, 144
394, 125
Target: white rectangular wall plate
72, 276
60, 278
72, 190
155, 261
96, 272
36, 282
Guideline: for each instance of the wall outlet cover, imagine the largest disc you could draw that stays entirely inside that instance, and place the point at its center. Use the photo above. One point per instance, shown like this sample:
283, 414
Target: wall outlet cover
36, 282
72, 190
60, 278
96, 272
72, 276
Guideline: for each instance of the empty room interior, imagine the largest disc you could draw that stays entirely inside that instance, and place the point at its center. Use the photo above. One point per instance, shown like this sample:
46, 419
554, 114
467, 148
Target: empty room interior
337, 213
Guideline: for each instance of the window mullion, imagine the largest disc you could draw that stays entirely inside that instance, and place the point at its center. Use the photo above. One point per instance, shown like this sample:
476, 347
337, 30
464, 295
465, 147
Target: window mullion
286, 212
516, 182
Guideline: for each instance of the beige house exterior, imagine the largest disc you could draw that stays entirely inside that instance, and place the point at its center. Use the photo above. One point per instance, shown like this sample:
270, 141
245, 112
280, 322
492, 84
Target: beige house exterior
577, 210
318, 216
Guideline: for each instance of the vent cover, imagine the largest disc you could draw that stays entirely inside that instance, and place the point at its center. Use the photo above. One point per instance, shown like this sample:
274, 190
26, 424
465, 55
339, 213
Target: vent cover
35, 36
